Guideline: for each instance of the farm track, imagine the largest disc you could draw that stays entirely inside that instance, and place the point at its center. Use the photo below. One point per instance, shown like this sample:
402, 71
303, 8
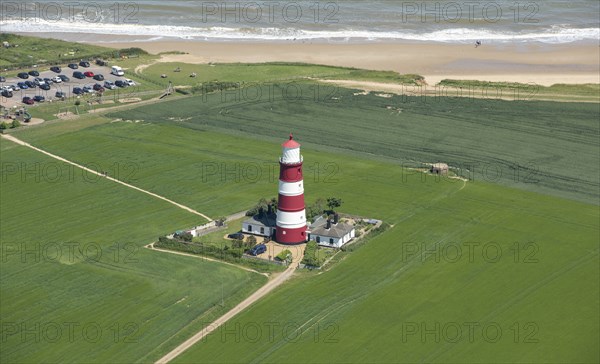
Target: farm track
20, 142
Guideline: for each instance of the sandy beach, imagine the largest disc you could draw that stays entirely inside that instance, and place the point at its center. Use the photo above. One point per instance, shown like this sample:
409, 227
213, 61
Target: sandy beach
543, 64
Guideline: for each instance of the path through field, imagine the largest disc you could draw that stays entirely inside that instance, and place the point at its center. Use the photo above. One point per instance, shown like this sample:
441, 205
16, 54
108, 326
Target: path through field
20, 142
260, 293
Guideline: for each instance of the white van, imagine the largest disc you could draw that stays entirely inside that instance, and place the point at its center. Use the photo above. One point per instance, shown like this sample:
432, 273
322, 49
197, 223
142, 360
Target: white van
117, 71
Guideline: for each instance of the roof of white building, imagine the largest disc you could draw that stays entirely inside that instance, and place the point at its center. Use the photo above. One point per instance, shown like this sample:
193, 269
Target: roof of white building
266, 220
335, 231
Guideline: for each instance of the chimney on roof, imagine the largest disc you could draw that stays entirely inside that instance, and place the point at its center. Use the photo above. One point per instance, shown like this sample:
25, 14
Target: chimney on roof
328, 226
336, 218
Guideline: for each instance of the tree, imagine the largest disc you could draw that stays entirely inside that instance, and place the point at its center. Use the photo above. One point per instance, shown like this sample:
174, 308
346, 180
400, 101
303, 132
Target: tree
15, 124
333, 203
250, 241
3, 125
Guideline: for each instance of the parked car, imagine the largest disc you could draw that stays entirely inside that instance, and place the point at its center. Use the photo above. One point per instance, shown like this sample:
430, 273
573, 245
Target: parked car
44, 86
2, 79
99, 77
120, 83
23, 75
48, 80
60, 94
22, 85
64, 78
84, 64
39, 98
28, 100
258, 249
109, 85
77, 90
129, 82
30, 84
88, 74
101, 62
55, 69
56, 79
7, 93
78, 75
238, 236
34, 73
87, 89
15, 87
38, 81
98, 87
73, 66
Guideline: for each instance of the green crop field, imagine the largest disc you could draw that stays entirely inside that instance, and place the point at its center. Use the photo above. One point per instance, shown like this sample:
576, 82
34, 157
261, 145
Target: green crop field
77, 285
545, 147
503, 268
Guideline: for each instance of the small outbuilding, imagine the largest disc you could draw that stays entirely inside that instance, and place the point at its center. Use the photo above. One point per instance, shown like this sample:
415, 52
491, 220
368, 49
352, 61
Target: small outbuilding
439, 168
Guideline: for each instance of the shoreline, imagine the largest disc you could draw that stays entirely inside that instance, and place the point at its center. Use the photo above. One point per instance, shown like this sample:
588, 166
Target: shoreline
539, 63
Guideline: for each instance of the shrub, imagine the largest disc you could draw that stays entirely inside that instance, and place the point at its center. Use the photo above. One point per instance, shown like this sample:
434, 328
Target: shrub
3, 125
284, 255
15, 124
310, 254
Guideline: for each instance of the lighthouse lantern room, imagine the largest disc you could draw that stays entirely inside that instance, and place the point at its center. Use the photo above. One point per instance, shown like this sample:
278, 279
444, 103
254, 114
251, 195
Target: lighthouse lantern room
291, 216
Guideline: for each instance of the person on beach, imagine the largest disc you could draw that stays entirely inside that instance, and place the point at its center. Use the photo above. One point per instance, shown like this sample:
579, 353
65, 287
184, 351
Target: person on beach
477, 43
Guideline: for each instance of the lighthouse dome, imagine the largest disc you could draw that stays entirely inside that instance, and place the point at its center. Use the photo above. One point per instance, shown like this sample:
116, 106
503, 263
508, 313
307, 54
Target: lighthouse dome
291, 151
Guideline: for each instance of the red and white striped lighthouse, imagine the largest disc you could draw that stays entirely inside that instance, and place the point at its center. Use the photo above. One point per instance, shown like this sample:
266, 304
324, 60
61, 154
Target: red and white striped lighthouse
291, 217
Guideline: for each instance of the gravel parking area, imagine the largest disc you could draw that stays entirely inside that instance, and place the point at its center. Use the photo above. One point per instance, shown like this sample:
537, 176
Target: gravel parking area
66, 87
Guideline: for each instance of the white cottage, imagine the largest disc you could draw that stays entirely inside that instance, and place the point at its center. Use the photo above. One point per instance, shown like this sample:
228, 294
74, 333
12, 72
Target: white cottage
327, 233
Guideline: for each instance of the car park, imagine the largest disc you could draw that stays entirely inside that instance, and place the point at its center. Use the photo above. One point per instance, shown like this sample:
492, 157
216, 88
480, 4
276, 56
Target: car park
45, 86
55, 69
22, 85
23, 75
79, 75
98, 77
64, 78
73, 66
84, 64
7, 93
28, 100
88, 74
258, 249
77, 90
39, 98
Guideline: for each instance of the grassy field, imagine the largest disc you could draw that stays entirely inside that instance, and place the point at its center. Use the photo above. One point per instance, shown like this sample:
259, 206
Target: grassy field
529, 290
76, 283
545, 147
530, 251
532, 275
